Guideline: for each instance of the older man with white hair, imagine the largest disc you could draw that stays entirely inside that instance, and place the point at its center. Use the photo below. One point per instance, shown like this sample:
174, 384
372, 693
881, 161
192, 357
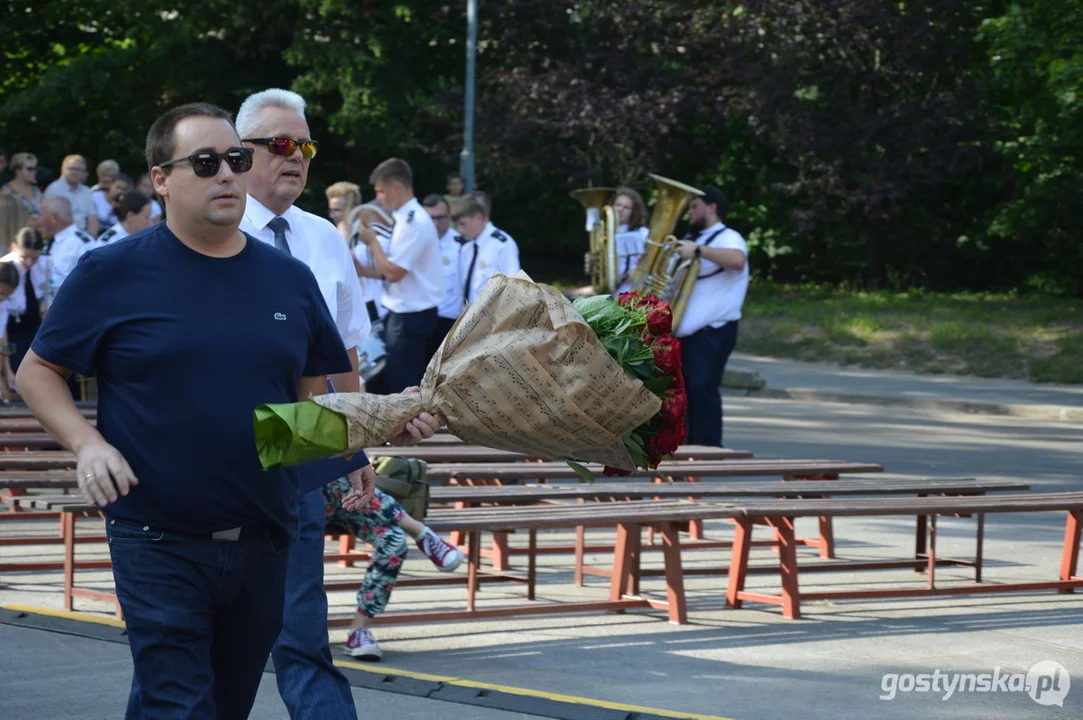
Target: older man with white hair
273, 123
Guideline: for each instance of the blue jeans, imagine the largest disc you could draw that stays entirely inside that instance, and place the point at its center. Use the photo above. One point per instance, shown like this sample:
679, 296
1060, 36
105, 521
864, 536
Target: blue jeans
703, 358
201, 616
310, 685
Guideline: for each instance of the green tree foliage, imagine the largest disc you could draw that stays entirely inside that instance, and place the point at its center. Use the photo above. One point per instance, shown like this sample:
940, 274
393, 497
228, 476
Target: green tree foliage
865, 142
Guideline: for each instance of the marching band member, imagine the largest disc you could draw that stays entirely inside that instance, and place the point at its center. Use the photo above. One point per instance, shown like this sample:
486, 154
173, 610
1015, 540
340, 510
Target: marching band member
451, 307
483, 249
414, 280
134, 210
708, 330
631, 232
30, 300
69, 242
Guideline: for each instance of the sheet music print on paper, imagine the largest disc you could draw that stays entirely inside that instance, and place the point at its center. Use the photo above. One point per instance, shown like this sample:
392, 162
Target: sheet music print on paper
520, 371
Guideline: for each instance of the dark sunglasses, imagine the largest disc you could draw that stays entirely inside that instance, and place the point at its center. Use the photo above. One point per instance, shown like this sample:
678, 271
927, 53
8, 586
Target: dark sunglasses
206, 164
286, 147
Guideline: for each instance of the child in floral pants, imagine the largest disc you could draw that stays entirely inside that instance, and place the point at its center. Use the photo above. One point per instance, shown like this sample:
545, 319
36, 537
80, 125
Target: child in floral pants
383, 524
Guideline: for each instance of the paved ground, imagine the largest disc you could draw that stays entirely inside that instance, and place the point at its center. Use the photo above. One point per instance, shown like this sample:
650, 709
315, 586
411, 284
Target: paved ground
811, 381
749, 664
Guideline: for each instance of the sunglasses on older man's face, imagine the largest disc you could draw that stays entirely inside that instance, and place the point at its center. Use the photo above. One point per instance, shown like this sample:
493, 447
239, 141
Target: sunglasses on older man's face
286, 146
206, 164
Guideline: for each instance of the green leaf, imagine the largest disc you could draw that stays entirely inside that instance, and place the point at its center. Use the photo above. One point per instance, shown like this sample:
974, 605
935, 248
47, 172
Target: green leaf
581, 471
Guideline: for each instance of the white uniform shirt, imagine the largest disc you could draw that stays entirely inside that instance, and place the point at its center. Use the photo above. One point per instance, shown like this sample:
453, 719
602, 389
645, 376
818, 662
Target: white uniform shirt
372, 288
67, 247
416, 249
716, 297
630, 246
155, 210
39, 276
317, 243
82, 201
496, 252
450, 258
112, 235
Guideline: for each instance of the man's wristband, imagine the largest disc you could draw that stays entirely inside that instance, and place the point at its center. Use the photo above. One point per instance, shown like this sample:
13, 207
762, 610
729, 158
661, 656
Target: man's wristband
699, 251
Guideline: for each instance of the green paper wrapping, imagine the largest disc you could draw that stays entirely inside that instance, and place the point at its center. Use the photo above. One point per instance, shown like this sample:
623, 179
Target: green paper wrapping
520, 370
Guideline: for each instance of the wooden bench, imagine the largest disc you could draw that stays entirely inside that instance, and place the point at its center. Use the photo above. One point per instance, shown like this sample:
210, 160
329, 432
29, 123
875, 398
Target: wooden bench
780, 516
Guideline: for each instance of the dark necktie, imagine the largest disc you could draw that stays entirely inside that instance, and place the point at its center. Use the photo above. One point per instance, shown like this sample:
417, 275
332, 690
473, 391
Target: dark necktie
279, 226
470, 272
32, 307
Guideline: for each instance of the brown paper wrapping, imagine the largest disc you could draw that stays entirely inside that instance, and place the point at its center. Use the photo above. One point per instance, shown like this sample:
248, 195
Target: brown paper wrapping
519, 371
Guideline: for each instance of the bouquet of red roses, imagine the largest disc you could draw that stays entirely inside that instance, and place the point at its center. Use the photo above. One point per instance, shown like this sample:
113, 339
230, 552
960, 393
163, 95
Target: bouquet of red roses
636, 331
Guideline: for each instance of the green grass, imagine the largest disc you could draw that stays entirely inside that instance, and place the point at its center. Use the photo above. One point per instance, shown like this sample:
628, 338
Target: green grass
989, 335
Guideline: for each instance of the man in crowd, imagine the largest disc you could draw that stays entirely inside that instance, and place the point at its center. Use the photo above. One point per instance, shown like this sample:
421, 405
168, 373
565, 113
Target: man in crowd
69, 243
452, 305
214, 323
414, 284
708, 330
273, 123
73, 172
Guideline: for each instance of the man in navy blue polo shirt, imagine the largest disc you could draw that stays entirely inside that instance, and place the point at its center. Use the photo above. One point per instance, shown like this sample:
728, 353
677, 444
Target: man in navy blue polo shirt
188, 326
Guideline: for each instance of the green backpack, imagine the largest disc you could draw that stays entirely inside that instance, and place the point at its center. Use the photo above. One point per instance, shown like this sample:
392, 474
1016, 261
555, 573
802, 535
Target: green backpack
404, 479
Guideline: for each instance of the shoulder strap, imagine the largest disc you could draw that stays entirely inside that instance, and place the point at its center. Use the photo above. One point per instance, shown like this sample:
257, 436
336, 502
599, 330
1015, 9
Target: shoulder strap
708, 242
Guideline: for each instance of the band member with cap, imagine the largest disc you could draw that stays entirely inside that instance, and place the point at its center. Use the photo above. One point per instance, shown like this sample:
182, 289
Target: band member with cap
708, 330
414, 279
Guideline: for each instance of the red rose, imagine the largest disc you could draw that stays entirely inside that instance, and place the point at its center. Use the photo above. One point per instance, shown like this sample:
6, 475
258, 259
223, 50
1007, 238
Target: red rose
669, 438
649, 301
674, 408
660, 320
626, 297
666, 359
615, 472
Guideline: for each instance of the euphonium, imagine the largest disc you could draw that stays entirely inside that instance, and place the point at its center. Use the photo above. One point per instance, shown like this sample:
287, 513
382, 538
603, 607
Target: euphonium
660, 270
601, 260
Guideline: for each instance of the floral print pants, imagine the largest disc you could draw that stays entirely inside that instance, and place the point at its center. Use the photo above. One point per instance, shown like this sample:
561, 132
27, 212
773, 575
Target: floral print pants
378, 525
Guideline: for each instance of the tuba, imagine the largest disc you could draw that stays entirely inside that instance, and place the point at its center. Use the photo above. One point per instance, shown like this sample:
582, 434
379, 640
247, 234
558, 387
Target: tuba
601, 260
661, 271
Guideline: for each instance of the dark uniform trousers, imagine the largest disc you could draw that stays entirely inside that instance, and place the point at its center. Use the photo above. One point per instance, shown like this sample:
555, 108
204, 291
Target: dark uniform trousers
703, 358
407, 336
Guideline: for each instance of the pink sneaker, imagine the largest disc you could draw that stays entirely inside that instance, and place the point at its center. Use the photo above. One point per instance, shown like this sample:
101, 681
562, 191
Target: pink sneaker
362, 645
445, 556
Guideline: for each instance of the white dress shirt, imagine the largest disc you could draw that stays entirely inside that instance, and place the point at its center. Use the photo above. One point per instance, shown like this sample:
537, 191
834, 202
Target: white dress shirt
415, 248
103, 208
450, 251
716, 297
82, 202
67, 247
39, 276
317, 243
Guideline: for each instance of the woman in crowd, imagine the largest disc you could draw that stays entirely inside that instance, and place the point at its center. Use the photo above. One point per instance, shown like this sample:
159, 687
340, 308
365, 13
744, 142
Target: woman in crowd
133, 210
24, 185
632, 232
383, 524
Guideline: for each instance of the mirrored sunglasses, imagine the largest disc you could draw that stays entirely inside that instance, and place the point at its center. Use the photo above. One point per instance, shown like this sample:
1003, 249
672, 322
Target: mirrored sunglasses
286, 146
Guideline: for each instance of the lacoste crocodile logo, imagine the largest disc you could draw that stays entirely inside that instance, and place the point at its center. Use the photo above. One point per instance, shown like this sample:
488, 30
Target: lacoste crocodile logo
280, 316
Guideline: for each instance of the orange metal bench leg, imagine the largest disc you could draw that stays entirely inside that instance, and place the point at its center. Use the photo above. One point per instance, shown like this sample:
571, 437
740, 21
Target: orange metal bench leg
67, 531
532, 565
742, 543
346, 544
473, 558
827, 538
671, 551
456, 537
625, 562
695, 527
787, 562
500, 551
580, 543
1069, 563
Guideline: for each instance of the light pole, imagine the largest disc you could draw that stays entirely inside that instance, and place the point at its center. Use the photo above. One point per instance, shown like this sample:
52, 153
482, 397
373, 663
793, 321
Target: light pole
466, 158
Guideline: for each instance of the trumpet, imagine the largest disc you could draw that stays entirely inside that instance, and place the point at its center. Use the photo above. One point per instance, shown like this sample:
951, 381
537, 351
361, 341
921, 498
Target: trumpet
661, 271
600, 262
